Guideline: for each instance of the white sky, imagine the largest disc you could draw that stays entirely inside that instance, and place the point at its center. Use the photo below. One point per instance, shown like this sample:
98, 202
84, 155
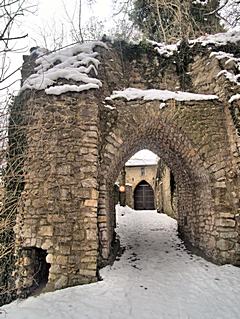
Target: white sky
52, 12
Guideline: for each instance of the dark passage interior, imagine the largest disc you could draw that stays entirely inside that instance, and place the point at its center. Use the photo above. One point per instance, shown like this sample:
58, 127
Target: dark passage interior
37, 269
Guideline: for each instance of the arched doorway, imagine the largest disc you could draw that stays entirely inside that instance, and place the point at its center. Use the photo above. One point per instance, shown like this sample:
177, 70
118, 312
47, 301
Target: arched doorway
144, 196
166, 135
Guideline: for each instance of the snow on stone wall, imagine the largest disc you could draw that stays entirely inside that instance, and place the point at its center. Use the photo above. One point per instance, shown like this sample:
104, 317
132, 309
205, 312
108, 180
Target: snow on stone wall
75, 154
77, 63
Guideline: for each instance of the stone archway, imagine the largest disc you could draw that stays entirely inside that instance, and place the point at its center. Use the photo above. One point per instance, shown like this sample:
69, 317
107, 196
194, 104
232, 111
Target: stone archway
194, 151
69, 189
143, 196
77, 143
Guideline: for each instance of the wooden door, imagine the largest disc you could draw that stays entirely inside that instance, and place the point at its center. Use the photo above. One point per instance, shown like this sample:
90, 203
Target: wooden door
144, 197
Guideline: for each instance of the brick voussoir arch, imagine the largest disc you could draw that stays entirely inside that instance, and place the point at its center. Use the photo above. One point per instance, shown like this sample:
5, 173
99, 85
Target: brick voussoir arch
180, 147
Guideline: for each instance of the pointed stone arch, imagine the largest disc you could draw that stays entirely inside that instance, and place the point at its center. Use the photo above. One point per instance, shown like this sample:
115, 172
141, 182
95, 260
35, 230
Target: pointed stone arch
194, 151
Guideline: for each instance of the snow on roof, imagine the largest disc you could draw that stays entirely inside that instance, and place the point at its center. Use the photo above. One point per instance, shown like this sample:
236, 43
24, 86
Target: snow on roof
72, 63
143, 158
141, 162
162, 95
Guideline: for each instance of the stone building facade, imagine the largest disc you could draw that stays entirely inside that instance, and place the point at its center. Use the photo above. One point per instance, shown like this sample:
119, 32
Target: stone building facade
156, 176
165, 192
134, 176
76, 143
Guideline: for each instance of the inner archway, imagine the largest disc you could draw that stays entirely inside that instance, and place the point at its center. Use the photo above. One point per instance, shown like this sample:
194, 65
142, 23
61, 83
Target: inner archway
144, 196
145, 126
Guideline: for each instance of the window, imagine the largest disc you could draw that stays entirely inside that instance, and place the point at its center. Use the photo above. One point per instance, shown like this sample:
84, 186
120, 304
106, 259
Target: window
142, 171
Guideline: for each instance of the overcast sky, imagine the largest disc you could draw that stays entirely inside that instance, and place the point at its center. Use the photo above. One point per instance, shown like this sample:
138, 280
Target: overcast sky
56, 12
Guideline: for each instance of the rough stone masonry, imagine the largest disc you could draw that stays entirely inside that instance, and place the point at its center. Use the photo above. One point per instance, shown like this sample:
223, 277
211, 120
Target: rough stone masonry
75, 144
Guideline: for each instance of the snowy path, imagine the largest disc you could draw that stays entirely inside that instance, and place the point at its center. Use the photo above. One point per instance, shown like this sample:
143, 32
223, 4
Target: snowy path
154, 278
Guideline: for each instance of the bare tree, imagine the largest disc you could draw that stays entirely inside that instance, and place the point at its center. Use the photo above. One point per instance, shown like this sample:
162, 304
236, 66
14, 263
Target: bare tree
11, 13
75, 19
51, 36
11, 38
171, 20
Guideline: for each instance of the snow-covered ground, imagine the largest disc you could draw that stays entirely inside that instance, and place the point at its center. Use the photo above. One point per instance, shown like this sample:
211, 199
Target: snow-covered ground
154, 278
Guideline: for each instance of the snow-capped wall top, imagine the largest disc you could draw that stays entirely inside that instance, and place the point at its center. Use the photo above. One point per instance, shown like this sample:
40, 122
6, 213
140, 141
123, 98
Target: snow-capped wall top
232, 74
71, 63
164, 49
202, 2
234, 97
162, 95
218, 39
216, 42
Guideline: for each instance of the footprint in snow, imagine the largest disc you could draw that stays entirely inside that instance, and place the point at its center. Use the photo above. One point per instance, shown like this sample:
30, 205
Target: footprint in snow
135, 266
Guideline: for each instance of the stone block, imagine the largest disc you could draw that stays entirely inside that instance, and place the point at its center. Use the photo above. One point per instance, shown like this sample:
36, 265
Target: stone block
91, 234
90, 259
47, 244
102, 219
87, 272
56, 269
61, 260
227, 215
50, 258
46, 231
61, 282
224, 222
91, 202
230, 235
56, 218
79, 235
94, 194
104, 235
27, 261
89, 183
26, 231
224, 244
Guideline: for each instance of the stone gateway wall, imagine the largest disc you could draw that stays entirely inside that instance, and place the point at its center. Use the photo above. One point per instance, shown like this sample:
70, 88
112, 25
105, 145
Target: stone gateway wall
197, 172
77, 144
58, 207
165, 190
133, 176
